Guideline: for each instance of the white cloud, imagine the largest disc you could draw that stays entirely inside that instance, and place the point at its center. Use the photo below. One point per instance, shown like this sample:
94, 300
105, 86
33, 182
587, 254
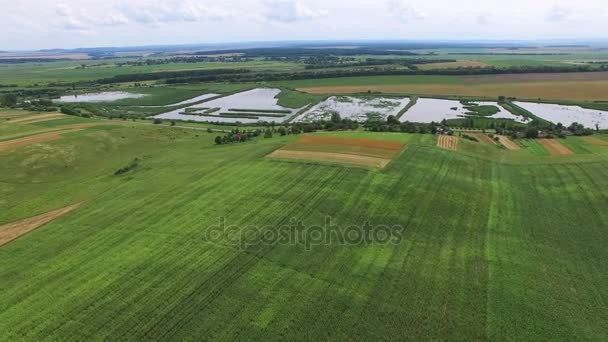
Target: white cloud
405, 12
290, 11
170, 11
558, 13
484, 19
62, 23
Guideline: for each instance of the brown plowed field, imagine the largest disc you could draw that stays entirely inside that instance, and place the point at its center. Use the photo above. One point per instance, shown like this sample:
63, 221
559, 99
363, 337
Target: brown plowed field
364, 152
555, 148
448, 142
508, 143
12, 231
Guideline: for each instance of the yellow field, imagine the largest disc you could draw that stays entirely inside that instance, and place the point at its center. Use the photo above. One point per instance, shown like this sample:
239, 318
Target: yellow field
566, 90
585, 86
449, 65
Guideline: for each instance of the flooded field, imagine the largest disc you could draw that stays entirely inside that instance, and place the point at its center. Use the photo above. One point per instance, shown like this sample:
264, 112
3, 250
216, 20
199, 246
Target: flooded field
186, 102
429, 110
567, 115
251, 106
503, 113
109, 96
357, 109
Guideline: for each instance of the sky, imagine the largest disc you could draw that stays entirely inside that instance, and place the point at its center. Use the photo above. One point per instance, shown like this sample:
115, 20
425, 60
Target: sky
44, 24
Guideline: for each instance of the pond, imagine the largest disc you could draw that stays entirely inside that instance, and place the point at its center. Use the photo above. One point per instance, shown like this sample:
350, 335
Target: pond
567, 115
354, 108
109, 96
428, 110
250, 106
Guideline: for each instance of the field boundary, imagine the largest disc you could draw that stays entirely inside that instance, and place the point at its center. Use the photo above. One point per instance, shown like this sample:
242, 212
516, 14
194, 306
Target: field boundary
508, 143
14, 230
331, 157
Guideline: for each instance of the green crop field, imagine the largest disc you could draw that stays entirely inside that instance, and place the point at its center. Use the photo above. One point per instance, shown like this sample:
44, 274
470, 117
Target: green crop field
487, 244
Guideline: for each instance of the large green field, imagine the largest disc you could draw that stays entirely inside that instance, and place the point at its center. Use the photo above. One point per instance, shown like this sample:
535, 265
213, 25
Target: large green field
490, 244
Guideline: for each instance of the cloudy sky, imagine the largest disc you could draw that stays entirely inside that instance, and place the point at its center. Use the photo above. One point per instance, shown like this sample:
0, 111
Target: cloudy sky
41, 24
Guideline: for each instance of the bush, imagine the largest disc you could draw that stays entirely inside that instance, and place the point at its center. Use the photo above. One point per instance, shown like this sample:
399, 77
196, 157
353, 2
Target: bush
157, 121
134, 164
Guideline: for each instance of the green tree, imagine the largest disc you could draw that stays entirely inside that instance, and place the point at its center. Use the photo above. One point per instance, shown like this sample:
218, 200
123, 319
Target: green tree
268, 133
8, 100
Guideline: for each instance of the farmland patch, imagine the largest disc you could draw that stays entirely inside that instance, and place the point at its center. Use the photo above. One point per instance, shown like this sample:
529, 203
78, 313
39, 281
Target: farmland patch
39, 118
508, 143
450, 65
448, 142
12, 231
353, 151
555, 148
595, 141
44, 137
483, 138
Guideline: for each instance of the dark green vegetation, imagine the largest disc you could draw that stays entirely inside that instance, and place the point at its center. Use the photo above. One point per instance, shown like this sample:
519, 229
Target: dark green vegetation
489, 250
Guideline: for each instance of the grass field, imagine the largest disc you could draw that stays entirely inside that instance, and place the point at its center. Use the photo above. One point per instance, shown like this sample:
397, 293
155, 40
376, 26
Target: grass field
489, 249
576, 87
68, 71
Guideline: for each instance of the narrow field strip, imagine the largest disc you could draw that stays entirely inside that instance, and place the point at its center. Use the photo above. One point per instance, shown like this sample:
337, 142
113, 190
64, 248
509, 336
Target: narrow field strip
12, 231
483, 138
44, 137
508, 143
389, 145
331, 157
448, 142
30, 140
595, 141
555, 148
39, 118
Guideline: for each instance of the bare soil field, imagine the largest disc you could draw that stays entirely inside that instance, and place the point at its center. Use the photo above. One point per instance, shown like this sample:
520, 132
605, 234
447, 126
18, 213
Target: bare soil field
448, 142
555, 148
12, 231
595, 141
508, 143
363, 152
